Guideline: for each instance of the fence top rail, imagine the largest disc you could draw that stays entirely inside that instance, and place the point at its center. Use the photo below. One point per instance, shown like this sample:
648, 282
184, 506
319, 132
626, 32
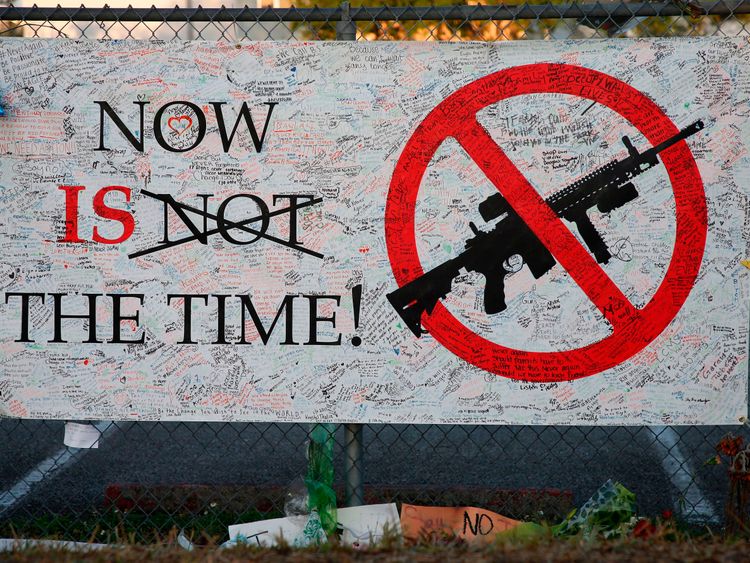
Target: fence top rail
379, 13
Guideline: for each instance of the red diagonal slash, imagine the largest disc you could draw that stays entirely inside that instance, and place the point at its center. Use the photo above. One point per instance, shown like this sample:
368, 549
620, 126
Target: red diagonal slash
633, 329
545, 223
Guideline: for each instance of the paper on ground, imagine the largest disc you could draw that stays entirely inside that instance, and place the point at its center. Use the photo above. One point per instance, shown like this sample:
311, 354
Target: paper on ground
267, 532
472, 524
363, 525
360, 525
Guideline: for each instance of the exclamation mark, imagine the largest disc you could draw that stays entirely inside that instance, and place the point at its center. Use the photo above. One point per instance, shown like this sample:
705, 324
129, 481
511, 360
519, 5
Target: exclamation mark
356, 298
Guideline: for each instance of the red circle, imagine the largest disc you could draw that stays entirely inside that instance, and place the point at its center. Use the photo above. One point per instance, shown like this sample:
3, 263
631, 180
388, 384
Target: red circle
691, 220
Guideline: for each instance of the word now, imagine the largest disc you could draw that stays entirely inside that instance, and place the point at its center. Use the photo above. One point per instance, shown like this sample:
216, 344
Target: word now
181, 123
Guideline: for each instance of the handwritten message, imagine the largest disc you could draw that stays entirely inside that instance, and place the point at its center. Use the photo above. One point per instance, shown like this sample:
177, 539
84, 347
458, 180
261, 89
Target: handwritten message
536, 233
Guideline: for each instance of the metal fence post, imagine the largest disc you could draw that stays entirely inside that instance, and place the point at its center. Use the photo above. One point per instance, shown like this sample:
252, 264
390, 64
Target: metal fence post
353, 464
346, 30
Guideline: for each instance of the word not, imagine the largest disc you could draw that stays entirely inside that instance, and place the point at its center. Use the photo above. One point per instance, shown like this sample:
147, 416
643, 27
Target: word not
179, 124
224, 226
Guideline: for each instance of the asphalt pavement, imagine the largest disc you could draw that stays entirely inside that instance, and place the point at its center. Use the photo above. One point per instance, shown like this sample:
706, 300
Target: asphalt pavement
664, 467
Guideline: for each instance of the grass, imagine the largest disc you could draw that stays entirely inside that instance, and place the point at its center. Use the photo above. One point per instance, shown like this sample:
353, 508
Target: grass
667, 542
133, 526
573, 550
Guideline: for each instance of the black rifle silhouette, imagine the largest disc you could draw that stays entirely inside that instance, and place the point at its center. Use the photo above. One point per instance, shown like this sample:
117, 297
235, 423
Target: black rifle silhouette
607, 188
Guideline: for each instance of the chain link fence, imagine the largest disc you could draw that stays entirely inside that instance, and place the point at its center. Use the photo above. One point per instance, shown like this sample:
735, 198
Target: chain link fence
528, 20
144, 479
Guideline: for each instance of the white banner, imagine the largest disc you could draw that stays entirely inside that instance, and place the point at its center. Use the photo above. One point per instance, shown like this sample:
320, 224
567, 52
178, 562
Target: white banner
526, 233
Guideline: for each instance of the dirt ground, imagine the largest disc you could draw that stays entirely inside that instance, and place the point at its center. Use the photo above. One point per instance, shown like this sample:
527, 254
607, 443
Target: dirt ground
548, 551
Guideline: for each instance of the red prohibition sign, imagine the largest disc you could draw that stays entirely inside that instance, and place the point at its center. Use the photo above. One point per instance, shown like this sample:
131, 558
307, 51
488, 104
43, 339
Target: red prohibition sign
632, 329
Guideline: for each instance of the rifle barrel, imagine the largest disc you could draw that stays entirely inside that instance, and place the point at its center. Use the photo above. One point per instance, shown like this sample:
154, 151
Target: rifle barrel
614, 172
683, 134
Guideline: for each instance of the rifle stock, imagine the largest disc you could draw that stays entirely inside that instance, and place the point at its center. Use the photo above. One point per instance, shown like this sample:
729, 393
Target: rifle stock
422, 294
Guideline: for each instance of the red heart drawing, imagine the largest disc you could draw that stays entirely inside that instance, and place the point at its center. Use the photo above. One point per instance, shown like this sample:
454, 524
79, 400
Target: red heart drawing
184, 122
